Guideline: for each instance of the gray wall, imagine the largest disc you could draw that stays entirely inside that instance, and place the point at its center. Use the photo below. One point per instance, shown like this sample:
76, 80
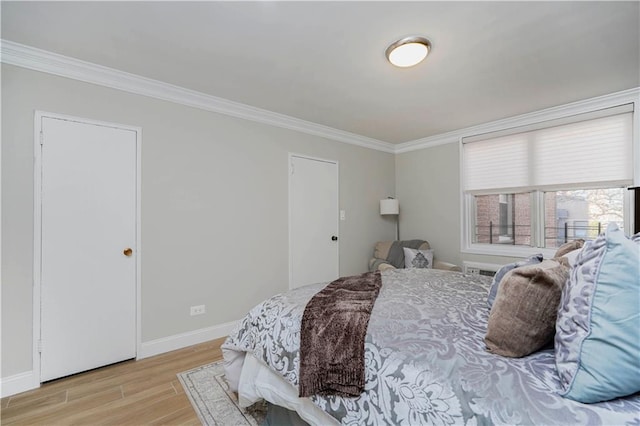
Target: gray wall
428, 188
193, 161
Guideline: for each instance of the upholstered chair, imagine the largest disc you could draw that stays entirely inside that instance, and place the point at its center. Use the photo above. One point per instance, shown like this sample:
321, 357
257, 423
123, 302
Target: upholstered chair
390, 255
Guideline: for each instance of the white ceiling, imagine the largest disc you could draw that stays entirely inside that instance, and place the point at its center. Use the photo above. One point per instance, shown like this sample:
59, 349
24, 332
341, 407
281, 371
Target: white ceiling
324, 61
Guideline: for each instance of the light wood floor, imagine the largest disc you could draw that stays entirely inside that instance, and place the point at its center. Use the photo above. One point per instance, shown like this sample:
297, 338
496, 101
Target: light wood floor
145, 392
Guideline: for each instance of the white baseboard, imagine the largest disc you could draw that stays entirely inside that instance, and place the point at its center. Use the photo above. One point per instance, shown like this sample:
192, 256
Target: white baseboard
179, 341
23, 382
18, 383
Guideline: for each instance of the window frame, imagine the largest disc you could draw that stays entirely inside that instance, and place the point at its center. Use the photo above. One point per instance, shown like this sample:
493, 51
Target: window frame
537, 207
467, 213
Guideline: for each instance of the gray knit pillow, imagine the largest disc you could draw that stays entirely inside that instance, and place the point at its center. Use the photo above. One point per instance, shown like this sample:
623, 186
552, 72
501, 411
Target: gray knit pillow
569, 247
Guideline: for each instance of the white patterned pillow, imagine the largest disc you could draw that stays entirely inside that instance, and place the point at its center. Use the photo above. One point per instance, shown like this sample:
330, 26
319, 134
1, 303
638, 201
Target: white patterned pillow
418, 258
597, 340
572, 257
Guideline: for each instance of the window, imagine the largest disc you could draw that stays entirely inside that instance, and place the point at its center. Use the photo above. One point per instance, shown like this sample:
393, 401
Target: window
502, 219
570, 215
546, 184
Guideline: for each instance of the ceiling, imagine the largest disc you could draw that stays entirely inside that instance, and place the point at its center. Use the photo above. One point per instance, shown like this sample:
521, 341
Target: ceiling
324, 61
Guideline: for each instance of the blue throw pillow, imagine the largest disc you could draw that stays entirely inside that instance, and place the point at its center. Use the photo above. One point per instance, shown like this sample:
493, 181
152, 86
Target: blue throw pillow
597, 339
495, 284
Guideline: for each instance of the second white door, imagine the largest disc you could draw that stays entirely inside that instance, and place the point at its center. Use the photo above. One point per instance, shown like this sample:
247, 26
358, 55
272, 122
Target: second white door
88, 251
313, 212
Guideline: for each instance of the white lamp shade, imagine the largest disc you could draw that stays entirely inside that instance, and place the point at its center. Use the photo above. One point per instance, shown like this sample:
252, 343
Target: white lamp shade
389, 206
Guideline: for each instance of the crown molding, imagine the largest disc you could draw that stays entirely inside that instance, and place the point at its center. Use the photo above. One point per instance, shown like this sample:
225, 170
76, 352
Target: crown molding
567, 110
52, 63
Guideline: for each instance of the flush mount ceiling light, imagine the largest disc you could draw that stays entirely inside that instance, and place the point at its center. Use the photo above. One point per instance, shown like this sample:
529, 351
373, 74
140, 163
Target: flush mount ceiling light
408, 51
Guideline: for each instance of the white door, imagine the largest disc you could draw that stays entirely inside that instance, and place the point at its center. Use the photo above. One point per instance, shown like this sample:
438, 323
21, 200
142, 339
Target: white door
88, 236
313, 204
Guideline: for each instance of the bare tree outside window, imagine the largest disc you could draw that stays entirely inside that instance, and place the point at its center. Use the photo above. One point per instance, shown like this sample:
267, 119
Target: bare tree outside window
582, 213
568, 215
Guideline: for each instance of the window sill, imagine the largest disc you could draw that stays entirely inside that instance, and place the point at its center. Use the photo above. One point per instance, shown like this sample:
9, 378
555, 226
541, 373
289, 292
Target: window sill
508, 250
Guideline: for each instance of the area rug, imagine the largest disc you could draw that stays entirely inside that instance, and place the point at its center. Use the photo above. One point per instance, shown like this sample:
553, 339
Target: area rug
212, 400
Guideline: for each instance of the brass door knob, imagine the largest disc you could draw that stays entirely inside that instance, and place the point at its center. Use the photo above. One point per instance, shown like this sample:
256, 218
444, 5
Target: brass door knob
127, 252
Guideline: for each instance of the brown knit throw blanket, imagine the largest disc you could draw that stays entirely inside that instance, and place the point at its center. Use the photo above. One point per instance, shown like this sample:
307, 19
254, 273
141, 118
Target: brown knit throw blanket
333, 330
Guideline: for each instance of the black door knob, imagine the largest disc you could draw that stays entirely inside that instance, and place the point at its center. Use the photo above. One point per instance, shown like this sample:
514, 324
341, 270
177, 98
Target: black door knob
334, 238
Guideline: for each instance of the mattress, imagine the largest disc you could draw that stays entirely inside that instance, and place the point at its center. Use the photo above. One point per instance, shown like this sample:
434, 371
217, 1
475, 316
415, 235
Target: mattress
425, 361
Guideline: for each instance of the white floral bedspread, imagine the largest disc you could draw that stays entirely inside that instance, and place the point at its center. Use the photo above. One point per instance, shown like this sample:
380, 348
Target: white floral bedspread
426, 361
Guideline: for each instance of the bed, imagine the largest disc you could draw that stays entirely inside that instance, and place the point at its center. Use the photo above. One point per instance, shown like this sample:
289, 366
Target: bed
425, 362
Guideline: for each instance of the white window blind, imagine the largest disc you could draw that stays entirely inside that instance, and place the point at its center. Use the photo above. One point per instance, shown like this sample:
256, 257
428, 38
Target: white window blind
589, 150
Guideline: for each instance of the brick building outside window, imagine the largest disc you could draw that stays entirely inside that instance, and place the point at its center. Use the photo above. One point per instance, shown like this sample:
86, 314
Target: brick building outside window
568, 215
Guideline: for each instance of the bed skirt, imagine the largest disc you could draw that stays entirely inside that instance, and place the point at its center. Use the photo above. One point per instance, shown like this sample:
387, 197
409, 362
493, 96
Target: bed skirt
256, 381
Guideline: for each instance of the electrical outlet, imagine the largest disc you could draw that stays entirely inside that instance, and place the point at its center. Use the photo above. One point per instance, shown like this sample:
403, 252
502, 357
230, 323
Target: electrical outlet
198, 310
473, 271
343, 215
